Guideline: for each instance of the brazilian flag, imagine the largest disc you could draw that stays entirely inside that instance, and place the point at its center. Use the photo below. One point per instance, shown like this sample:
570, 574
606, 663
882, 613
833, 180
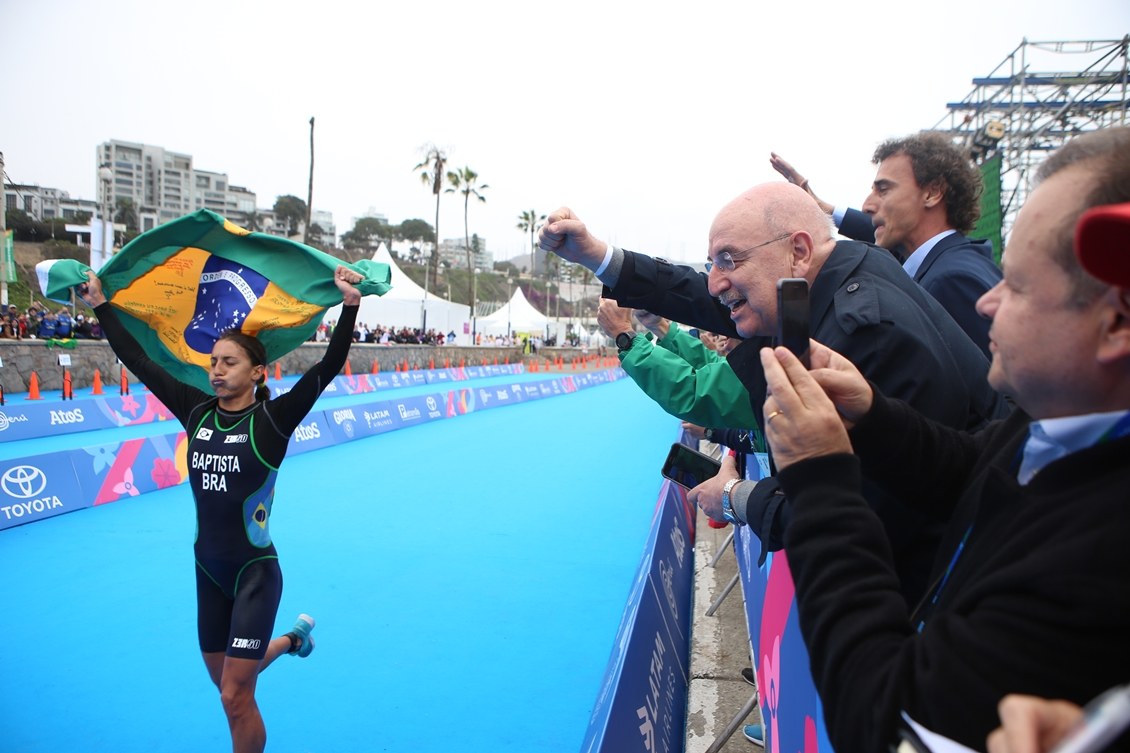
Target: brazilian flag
179, 286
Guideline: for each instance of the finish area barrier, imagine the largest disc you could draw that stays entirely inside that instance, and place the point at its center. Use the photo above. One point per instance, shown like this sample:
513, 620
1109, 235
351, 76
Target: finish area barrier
21, 419
42, 486
642, 703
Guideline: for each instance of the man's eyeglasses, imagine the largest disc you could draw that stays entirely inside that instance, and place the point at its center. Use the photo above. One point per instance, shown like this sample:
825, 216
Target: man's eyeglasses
725, 261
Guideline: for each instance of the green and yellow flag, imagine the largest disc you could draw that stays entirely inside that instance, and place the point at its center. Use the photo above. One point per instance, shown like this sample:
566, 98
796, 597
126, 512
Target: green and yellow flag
182, 284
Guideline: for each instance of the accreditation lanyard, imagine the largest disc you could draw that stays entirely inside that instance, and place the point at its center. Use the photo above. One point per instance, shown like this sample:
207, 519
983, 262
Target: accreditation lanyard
1121, 428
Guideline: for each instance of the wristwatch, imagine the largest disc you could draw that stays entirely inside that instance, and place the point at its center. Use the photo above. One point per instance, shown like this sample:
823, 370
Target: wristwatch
624, 341
727, 508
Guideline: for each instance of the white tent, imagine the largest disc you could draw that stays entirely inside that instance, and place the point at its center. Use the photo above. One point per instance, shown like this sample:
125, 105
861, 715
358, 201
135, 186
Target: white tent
517, 314
404, 304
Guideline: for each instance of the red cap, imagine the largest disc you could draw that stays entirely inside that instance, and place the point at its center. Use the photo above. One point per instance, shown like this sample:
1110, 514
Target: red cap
1102, 243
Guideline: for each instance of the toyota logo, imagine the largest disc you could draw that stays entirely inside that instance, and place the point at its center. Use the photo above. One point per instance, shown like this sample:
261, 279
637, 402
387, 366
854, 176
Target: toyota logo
23, 481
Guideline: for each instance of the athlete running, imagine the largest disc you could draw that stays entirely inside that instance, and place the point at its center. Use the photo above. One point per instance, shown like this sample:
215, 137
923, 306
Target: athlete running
237, 438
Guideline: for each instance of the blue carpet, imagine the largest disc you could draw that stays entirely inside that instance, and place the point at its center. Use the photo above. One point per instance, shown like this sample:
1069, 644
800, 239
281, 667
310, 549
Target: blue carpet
467, 576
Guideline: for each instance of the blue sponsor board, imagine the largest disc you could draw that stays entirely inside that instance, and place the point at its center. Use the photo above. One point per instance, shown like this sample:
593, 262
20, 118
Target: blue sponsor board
642, 703
475, 372
345, 424
492, 397
38, 487
379, 417
439, 375
418, 409
530, 391
41, 419
312, 434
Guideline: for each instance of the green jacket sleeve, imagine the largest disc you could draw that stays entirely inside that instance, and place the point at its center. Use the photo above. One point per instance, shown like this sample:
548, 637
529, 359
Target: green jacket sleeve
709, 395
690, 349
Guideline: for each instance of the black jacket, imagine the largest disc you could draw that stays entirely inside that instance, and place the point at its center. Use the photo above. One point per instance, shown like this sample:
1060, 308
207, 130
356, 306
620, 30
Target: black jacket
1037, 601
866, 307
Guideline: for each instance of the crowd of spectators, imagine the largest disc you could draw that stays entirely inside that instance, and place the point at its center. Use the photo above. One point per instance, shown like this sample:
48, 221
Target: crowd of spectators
37, 323
947, 476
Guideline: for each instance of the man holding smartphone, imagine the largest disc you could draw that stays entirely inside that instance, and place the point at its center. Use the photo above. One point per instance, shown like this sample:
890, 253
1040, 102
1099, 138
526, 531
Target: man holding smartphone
861, 300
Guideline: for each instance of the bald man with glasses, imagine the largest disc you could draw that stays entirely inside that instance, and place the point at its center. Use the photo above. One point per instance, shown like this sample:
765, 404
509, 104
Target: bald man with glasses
862, 305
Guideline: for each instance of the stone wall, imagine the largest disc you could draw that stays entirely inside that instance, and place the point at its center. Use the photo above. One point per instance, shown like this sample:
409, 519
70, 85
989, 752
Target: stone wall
21, 357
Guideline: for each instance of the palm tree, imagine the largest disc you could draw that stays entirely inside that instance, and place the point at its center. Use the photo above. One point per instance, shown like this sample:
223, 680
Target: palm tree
431, 174
466, 181
529, 222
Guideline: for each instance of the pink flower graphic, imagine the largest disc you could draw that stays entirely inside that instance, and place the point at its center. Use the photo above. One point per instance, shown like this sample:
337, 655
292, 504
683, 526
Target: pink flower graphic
164, 473
125, 486
130, 406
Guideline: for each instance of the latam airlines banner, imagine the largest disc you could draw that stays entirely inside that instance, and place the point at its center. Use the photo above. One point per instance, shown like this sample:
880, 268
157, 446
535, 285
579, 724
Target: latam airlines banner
642, 704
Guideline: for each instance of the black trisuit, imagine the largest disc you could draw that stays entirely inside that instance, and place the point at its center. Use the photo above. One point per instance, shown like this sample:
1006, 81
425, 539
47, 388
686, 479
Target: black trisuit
233, 459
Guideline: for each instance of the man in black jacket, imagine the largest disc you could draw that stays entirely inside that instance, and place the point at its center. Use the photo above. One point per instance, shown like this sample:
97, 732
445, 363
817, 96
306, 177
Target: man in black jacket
1029, 591
861, 301
924, 198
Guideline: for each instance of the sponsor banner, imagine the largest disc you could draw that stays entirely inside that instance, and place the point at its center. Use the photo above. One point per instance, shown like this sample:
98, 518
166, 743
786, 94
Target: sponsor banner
793, 717
475, 372
395, 379
461, 401
354, 384
110, 472
377, 418
345, 424
530, 391
312, 434
18, 421
419, 409
437, 376
38, 487
642, 702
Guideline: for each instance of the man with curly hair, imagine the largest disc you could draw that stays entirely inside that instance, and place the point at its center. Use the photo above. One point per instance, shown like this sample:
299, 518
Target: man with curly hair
925, 198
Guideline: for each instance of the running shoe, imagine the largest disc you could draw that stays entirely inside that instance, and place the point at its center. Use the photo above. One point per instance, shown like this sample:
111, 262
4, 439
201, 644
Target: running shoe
301, 632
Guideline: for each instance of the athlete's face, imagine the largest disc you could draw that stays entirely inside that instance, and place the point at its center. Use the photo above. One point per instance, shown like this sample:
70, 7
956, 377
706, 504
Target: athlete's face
232, 373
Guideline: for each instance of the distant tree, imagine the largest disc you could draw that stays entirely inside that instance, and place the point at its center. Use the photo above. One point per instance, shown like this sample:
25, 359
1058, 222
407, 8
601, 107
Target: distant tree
125, 213
314, 234
530, 221
466, 181
430, 170
416, 231
291, 211
367, 232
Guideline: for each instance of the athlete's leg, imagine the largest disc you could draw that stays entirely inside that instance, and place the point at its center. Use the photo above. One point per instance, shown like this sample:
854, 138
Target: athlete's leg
237, 692
257, 595
213, 623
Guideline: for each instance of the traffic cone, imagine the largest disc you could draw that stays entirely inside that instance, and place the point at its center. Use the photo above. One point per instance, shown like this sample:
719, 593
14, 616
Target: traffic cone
376, 367
68, 385
125, 382
33, 387
348, 368
406, 365
447, 363
431, 364
278, 370
96, 388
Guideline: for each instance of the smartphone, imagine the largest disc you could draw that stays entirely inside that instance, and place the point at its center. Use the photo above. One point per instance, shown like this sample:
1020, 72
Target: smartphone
792, 316
689, 468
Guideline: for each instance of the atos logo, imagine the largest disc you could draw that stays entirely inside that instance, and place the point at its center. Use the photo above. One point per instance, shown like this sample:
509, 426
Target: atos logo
306, 432
23, 481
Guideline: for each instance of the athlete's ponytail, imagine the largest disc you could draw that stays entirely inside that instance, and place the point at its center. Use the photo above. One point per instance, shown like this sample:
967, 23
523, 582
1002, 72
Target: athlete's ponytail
258, 355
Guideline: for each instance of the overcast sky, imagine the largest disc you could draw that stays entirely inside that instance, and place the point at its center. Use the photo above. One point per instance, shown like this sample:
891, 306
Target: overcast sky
645, 118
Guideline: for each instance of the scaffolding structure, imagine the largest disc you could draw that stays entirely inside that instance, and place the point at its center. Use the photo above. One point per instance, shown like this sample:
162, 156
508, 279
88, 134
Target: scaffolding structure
1038, 97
